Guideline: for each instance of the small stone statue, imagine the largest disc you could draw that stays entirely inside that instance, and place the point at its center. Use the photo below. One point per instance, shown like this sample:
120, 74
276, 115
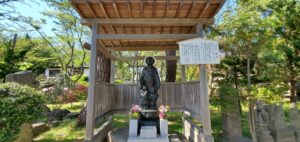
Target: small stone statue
149, 85
277, 119
294, 118
261, 119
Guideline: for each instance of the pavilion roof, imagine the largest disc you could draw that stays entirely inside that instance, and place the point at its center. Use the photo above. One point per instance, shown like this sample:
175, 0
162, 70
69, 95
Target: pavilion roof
141, 25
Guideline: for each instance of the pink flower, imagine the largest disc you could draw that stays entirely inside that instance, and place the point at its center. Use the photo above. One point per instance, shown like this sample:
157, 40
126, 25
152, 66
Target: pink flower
162, 115
135, 108
66, 89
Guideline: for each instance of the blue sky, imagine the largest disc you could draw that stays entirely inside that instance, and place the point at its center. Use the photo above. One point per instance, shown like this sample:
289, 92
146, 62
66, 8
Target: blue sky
34, 9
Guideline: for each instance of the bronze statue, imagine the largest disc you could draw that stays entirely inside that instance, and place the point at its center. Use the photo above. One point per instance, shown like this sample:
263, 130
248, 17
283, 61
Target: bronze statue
149, 85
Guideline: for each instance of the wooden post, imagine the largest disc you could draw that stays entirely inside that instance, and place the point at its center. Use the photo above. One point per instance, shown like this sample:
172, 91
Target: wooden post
112, 70
90, 120
204, 96
183, 75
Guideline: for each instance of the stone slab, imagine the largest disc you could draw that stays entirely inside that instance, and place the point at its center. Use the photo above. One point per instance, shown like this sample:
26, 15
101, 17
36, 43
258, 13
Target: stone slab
38, 128
164, 128
148, 132
283, 135
139, 139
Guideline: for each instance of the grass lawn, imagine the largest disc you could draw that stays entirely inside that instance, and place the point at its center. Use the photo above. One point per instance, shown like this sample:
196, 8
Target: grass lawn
65, 132
74, 107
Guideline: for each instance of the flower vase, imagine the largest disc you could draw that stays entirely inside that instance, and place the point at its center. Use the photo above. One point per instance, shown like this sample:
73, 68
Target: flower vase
163, 123
133, 128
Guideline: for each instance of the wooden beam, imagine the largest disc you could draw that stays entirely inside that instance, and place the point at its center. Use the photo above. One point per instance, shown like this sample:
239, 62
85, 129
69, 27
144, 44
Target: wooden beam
90, 119
149, 21
204, 97
204, 9
144, 48
143, 57
101, 49
75, 7
146, 37
198, 1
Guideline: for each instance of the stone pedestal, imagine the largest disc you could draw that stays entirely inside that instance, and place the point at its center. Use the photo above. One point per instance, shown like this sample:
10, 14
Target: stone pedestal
283, 135
148, 132
264, 138
297, 134
231, 126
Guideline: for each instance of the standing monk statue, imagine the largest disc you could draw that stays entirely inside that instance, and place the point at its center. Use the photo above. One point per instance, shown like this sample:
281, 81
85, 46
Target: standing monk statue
149, 85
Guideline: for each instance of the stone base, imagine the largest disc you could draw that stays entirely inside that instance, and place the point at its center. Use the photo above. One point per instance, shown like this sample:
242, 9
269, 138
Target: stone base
297, 134
283, 135
264, 138
139, 139
148, 132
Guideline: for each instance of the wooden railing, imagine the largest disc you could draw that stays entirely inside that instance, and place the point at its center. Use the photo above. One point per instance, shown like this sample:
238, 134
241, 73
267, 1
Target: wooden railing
112, 98
120, 97
104, 99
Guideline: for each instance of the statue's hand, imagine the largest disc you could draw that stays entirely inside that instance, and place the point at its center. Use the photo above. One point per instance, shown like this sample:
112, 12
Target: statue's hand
143, 92
144, 88
152, 90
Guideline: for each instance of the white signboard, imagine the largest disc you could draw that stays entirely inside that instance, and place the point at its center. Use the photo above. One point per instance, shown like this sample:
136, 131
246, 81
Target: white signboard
199, 51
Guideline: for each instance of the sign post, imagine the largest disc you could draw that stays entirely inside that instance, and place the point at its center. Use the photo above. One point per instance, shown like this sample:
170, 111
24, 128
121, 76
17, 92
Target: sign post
201, 51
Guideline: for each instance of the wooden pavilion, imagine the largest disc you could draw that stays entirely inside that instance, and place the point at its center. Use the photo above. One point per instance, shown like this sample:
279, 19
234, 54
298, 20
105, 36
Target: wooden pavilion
144, 25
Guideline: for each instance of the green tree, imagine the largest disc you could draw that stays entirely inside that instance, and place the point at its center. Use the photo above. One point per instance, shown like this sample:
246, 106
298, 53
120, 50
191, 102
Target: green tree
69, 35
286, 30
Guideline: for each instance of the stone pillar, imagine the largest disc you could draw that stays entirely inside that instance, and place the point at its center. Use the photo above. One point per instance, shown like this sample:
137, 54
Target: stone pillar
232, 128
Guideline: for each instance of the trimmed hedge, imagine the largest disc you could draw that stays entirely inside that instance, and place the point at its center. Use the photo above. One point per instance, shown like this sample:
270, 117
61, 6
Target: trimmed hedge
18, 104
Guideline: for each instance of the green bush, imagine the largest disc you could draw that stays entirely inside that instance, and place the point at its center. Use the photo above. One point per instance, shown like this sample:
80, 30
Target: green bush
18, 104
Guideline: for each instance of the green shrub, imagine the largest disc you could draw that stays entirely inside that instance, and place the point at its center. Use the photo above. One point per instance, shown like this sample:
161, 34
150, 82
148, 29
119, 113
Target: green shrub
18, 104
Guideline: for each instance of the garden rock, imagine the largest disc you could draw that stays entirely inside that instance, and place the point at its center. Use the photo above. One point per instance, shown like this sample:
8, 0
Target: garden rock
38, 128
72, 115
54, 123
23, 77
58, 114
25, 134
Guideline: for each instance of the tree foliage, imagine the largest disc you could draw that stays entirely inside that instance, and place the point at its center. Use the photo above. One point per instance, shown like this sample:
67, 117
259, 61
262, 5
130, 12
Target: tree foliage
69, 35
18, 104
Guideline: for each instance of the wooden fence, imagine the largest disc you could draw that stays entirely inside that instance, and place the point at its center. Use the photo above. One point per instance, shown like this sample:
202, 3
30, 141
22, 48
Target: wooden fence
120, 97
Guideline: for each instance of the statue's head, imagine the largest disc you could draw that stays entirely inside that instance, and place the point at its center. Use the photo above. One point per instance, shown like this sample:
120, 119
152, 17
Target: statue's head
150, 61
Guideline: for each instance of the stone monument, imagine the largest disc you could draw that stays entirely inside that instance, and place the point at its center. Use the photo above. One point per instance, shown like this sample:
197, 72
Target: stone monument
262, 120
279, 130
295, 121
22, 77
149, 125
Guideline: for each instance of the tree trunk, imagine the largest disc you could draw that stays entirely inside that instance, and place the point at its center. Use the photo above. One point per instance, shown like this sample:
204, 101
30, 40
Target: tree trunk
293, 98
171, 67
103, 70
